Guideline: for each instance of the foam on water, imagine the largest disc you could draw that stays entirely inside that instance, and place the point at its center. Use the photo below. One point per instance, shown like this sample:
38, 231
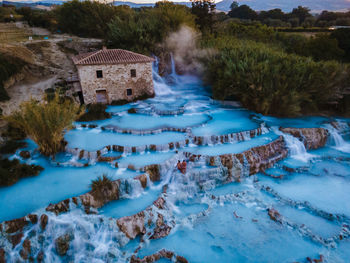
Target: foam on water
337, 140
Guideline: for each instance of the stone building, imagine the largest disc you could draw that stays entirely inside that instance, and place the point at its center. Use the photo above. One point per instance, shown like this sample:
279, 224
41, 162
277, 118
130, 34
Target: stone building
111, 75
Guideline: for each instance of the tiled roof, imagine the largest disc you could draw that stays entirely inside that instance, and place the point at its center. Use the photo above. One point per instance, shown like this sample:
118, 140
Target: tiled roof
110, 56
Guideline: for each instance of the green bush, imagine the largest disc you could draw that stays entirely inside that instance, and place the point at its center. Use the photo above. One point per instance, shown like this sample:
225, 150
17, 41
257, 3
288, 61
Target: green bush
46, 122
269, 81
11, 146
101, 185
12, 170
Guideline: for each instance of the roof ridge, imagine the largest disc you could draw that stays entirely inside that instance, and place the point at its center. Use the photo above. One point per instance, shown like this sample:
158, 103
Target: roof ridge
111, 56
93, 54
132, 52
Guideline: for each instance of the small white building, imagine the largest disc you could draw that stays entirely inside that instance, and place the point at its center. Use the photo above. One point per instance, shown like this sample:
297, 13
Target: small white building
110, 75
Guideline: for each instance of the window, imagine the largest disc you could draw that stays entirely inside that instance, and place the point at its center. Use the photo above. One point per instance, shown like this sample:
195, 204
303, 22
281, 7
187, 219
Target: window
133, 73
99, 74
129, 92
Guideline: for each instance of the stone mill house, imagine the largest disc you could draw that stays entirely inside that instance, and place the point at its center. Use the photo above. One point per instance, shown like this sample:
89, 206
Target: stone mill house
112, 75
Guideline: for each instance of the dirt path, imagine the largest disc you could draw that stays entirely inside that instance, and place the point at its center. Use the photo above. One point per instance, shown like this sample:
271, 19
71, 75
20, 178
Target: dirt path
24, 92
52, 63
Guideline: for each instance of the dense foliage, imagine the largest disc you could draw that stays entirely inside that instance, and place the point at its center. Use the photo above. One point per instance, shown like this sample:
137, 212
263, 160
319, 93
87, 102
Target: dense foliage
46, 122
299, 16
12, 170
141, 31
343, 37
204, 13
270, 81
9, 66
320, 47
85, 18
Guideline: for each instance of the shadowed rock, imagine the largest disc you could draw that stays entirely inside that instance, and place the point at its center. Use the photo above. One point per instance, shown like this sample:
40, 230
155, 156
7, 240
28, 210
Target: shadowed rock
15, 239
59, 208
62, 244
162, 229
2, 255
313, 138
159, 255
274, 215
43, 221
26, 249
15, 225
25, 154
33, 218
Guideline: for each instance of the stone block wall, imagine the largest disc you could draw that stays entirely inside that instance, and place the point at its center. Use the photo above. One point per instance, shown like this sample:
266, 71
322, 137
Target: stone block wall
116, 80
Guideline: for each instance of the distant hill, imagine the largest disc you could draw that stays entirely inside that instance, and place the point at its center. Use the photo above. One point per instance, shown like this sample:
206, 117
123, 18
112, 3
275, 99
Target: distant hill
137, 5
288, 5
33, 3
224, 5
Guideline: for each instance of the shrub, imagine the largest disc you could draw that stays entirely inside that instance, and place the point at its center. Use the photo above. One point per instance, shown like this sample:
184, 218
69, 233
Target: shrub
11, 146
101, 185
45, 122
12, 170
95, 112
271, 82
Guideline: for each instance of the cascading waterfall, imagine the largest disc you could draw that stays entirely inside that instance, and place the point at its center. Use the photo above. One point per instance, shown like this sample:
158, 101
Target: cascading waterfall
296, 147
336, 140
160, 87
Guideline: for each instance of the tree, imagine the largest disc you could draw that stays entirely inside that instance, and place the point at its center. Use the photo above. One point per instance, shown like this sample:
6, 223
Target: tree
86, 18
323, 47
272, 14
243, 12
301, 13
204, 10
45, 122
234, 5
141, 31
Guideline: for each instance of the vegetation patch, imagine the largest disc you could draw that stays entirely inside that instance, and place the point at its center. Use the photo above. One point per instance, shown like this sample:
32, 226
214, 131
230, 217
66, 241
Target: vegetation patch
12, 170
269, 81
11, 146
95, 112
45, 122
101, 186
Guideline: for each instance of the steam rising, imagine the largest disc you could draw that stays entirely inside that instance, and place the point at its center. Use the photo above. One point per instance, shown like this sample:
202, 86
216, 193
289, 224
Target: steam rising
184, 46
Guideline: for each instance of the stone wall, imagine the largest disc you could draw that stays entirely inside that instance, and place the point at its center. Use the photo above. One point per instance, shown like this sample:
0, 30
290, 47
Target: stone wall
116, 80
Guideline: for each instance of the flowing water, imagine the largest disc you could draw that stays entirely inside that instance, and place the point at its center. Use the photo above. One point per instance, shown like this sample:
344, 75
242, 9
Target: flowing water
211, 221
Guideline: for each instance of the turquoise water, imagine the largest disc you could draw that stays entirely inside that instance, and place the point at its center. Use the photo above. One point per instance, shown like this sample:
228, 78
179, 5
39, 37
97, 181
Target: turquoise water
94, 139
211, 222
